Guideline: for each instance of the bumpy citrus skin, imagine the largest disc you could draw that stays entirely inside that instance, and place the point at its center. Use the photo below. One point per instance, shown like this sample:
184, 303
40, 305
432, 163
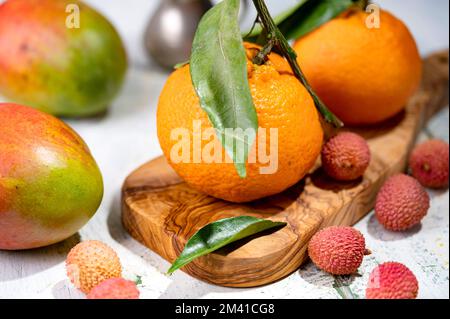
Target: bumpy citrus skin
337, 250
90, 263
346, 157
281, 102
115, 288
63, 71
429, 163
401, 203
392, 280
364, 75
50, 185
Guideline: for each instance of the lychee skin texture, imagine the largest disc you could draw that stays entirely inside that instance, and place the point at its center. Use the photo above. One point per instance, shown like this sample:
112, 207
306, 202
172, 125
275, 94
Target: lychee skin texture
401, 203
346, 157
115, 288
337, 250
90, 263
392, 280
429, 164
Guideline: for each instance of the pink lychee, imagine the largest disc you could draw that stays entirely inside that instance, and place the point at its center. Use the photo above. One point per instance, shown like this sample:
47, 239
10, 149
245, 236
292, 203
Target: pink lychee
392, 280
115, 288
346, 157
429, 163
401, 203
337, 250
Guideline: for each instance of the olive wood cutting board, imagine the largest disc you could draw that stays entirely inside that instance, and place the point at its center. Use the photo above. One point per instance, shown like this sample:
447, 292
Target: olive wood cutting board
162, 212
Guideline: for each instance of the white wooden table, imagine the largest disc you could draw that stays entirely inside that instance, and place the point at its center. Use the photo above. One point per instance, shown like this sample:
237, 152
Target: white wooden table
126, 138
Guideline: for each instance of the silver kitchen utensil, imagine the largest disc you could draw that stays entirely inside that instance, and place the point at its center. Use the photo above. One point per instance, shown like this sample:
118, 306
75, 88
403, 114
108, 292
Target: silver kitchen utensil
171, 30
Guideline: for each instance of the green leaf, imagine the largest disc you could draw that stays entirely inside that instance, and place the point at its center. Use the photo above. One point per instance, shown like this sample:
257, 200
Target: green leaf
311, 16
305, 16
219, 75
219, 234
278, 20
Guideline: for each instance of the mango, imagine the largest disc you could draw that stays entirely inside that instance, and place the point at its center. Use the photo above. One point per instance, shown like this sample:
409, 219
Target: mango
59, 56
50, 185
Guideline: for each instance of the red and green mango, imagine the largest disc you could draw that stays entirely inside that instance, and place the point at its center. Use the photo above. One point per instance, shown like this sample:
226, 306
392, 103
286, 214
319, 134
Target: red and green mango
50, 185
54, 66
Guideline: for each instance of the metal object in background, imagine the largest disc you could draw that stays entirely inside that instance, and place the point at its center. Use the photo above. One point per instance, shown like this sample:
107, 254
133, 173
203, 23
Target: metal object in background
171, 30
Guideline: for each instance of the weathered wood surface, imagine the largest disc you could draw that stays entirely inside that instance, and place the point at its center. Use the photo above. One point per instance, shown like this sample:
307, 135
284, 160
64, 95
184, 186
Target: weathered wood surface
162, 212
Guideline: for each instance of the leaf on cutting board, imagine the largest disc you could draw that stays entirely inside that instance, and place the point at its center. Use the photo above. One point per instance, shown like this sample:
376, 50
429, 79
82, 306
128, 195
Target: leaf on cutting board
218, 68
219, 234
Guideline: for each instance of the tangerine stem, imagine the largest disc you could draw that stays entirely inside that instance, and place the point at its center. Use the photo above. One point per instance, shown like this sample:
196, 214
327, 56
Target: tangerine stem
278, 39
261, 57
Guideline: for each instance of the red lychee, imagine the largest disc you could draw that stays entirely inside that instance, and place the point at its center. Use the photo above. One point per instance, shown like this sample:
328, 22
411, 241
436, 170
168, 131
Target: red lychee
337, 250
115, 288
90, 263
429, 163
346, 157
401, 203
392, 280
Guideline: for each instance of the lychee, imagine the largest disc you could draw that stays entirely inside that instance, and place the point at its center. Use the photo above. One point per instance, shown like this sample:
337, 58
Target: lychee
392, 280
114, 288
346, 157
90, 263
338, 250
429, 164
401, 203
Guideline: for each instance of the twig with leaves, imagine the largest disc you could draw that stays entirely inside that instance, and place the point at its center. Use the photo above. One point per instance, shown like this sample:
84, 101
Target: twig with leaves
276, 39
